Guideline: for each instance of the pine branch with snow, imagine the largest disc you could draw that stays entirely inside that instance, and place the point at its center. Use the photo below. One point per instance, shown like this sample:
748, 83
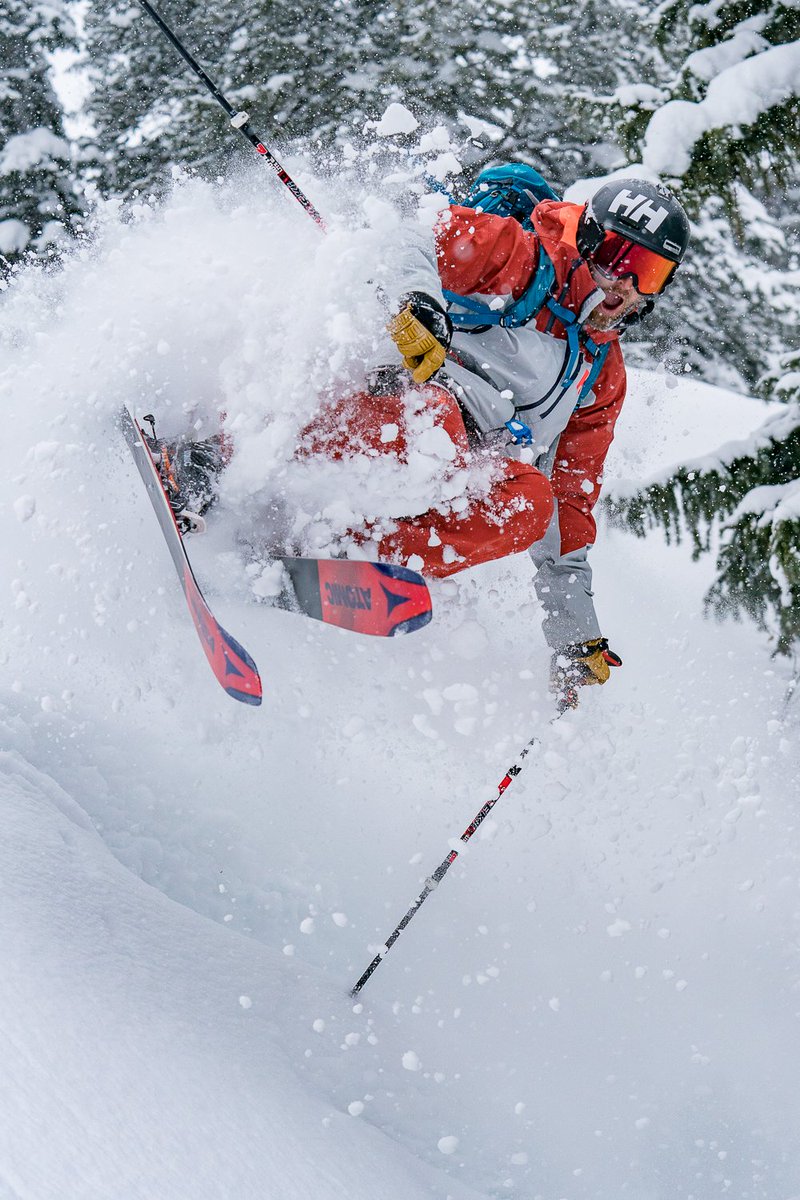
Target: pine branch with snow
729, 103
750, 492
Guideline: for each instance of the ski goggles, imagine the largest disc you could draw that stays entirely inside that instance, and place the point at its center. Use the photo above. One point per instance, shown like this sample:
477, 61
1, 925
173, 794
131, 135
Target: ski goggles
617, 256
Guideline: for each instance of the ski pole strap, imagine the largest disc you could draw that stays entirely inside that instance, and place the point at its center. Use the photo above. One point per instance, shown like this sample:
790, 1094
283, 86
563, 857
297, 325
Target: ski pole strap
238, 119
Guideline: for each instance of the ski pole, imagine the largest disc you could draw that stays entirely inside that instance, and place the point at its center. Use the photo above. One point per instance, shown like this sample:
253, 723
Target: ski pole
239, 120
791, 689
433, 881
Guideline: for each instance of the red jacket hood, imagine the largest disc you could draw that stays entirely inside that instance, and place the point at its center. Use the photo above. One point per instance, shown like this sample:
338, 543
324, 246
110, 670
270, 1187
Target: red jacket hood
556, 226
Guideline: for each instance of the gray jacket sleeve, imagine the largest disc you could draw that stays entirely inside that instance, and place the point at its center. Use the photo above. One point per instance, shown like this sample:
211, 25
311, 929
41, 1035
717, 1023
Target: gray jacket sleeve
564, 587
408, 264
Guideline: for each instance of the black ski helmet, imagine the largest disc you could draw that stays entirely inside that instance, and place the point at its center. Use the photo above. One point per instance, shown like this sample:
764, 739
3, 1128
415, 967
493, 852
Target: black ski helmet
647, 213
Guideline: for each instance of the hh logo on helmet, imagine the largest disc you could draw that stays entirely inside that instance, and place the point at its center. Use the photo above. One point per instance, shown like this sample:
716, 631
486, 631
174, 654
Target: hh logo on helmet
636, 208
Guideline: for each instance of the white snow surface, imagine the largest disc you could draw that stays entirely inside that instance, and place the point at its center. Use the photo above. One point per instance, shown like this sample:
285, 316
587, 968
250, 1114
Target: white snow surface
678, 421
600, 1001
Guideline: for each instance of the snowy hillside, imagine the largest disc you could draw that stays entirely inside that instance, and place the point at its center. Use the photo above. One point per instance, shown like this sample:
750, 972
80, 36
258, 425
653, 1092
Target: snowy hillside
601, 1000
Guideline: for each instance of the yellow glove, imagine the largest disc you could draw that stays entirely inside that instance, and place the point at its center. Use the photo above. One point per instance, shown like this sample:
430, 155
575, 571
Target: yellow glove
582, 665
421, 331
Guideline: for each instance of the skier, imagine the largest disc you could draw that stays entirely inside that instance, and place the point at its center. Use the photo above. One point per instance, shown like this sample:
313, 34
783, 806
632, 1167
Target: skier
511, 337
610, 259
521, 330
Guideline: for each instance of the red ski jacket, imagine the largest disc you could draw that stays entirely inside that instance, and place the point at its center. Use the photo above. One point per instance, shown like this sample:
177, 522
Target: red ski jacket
490, 255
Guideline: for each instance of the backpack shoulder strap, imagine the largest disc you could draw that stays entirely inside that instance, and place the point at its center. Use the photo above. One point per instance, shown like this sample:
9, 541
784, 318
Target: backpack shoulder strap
579, 347
475, 314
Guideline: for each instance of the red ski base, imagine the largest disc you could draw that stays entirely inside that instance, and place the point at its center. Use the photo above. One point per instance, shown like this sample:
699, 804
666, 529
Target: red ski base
365, 597
232, 665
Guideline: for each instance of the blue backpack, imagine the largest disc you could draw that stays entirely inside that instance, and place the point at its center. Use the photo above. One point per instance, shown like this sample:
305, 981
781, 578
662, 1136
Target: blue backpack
514, 190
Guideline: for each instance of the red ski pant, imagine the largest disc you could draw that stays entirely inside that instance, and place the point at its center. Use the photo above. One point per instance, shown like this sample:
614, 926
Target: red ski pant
513, 516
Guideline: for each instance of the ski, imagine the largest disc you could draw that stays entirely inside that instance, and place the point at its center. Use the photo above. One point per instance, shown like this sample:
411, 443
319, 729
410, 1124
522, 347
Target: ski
366, 597
376, 599
233, 667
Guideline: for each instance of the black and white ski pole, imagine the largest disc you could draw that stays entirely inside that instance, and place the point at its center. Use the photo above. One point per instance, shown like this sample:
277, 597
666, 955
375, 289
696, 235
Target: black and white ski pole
239, 120
433, 881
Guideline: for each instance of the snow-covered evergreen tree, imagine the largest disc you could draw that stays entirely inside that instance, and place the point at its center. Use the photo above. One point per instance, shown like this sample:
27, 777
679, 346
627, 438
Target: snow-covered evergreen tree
751, 490
320, 73
300, 73
510, 66
720, 118
759, 562
146, 110
36, 194
725, 130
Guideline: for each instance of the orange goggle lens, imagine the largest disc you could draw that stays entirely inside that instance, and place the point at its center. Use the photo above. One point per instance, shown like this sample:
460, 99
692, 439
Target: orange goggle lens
618, 256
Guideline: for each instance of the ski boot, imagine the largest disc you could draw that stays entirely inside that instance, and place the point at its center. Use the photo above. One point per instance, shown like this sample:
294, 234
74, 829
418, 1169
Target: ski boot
190, 473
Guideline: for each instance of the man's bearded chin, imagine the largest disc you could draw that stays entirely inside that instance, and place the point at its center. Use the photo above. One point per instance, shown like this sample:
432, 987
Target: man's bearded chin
608, 315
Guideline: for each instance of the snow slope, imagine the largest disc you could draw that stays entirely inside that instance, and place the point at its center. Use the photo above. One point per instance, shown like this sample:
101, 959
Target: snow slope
601, 999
